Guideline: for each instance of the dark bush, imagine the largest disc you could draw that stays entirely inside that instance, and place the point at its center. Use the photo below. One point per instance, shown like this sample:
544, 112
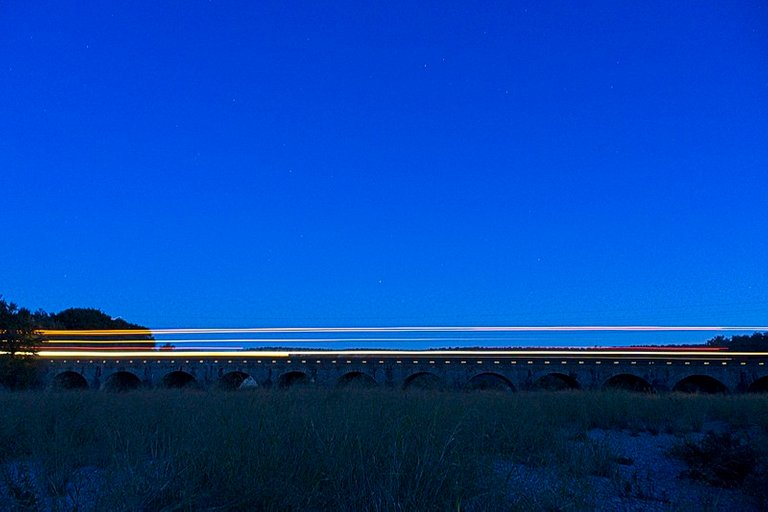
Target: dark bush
19, 373
722, 460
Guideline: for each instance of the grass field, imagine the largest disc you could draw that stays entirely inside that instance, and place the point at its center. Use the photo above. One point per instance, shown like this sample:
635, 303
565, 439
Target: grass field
319, 449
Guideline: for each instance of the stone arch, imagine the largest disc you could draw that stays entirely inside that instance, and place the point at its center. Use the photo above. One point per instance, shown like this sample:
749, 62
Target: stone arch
700, 384
423, 380
69, 380
233, 380
293, 379
556, 382
122, 381
759, 386
490, 381
628, 382
356, 380
179, 379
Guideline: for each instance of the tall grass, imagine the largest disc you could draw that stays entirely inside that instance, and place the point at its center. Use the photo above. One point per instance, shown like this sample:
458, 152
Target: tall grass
323, 449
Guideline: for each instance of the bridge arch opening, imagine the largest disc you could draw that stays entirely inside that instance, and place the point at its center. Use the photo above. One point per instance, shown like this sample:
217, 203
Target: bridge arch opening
179, 379
556, 382
69, 380
700, 384
628, 382
122, 381
235, 380
356, 380
759, 386
423, 381
490, 382
293, 379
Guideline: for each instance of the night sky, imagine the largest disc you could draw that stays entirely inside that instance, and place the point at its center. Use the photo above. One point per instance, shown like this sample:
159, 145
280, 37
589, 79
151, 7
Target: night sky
234, 164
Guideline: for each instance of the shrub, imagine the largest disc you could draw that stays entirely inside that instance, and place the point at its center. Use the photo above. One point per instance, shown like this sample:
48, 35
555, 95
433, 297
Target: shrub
19, 372
722, 460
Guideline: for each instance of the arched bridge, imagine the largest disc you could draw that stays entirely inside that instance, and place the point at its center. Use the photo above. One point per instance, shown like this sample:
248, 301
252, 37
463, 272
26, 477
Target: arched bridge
509, 370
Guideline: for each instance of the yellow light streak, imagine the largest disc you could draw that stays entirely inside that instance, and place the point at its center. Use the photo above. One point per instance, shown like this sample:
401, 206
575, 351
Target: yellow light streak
561, 328
130, 348
166, 354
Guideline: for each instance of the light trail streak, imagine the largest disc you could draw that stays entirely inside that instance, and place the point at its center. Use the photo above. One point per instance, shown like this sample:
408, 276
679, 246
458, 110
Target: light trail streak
137, 344
154, 354
117, 348
653, 349
275, 340
583, 354
127, 348
562, 328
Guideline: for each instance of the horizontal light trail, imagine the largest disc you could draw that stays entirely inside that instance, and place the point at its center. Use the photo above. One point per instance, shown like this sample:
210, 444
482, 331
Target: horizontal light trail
121, 345
369, 339
582, 354
155, 354
217, 347
654, 349
273, 340
134, 349
307, 330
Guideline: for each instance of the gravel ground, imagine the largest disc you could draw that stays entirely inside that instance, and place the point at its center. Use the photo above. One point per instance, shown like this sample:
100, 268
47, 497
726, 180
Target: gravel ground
643, 478
652, 481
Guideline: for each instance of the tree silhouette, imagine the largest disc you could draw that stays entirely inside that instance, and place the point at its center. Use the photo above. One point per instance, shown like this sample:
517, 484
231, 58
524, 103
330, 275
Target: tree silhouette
19, 330
19, 341
757, 341
74, 319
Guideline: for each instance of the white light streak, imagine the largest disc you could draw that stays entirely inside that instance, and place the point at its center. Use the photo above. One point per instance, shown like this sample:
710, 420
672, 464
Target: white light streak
413, 329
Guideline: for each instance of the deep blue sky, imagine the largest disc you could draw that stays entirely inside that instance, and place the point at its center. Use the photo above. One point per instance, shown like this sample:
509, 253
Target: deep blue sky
231, 163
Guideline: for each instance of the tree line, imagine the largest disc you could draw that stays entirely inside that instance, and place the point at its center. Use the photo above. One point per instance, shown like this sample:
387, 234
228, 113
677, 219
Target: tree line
755, 342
